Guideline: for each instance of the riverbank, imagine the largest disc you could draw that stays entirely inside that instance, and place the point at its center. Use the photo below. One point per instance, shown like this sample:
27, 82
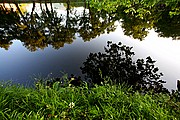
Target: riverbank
100, 102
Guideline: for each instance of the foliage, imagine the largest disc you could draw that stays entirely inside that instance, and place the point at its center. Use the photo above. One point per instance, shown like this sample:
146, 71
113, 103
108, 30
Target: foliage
39, 30
168, 26
7, 27
117, 64
63, 81
137, 16
100, 102
105, 5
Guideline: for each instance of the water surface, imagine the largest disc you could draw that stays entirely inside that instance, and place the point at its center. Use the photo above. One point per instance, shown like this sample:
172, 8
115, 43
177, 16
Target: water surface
39, 45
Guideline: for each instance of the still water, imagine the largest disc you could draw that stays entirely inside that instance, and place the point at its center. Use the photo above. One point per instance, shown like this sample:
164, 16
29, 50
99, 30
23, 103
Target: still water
22, 60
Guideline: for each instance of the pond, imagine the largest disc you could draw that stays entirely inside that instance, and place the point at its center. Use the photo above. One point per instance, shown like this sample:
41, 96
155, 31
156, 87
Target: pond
42, 39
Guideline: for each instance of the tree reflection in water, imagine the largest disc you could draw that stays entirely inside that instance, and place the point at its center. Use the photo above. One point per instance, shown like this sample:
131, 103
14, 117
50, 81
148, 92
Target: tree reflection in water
8, 21
50, 27
37, 31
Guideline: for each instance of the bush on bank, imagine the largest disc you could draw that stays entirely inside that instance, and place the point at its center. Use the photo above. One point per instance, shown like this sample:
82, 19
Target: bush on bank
117, 63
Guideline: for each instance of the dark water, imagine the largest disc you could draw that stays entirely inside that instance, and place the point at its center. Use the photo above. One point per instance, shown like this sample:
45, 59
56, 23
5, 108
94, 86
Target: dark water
39, 45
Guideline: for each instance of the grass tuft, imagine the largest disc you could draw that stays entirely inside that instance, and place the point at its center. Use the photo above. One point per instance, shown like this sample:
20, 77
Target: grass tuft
101, 102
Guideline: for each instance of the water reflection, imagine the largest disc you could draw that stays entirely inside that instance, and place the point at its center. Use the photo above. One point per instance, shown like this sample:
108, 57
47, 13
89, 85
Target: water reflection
168, 26
45, 24
38, 30
50, 26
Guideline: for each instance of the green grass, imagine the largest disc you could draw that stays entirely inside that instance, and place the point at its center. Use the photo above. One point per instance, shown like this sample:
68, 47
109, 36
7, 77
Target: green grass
102, 102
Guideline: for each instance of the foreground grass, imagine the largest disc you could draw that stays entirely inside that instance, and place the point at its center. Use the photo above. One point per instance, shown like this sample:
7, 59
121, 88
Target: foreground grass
101, 102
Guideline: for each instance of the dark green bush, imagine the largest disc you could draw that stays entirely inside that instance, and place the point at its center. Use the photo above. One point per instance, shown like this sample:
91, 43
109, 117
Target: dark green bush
117, 63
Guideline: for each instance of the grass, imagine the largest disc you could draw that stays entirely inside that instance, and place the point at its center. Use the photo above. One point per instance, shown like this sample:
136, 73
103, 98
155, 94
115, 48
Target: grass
81, 103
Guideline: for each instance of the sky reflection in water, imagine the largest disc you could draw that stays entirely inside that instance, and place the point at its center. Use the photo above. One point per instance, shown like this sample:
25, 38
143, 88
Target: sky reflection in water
19, 64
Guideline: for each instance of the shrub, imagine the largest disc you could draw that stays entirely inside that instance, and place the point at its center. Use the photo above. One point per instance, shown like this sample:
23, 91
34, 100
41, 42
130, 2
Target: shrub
118, 65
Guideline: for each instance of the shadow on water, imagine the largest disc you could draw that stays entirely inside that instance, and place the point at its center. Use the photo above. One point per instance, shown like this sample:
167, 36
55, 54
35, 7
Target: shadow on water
48, 26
